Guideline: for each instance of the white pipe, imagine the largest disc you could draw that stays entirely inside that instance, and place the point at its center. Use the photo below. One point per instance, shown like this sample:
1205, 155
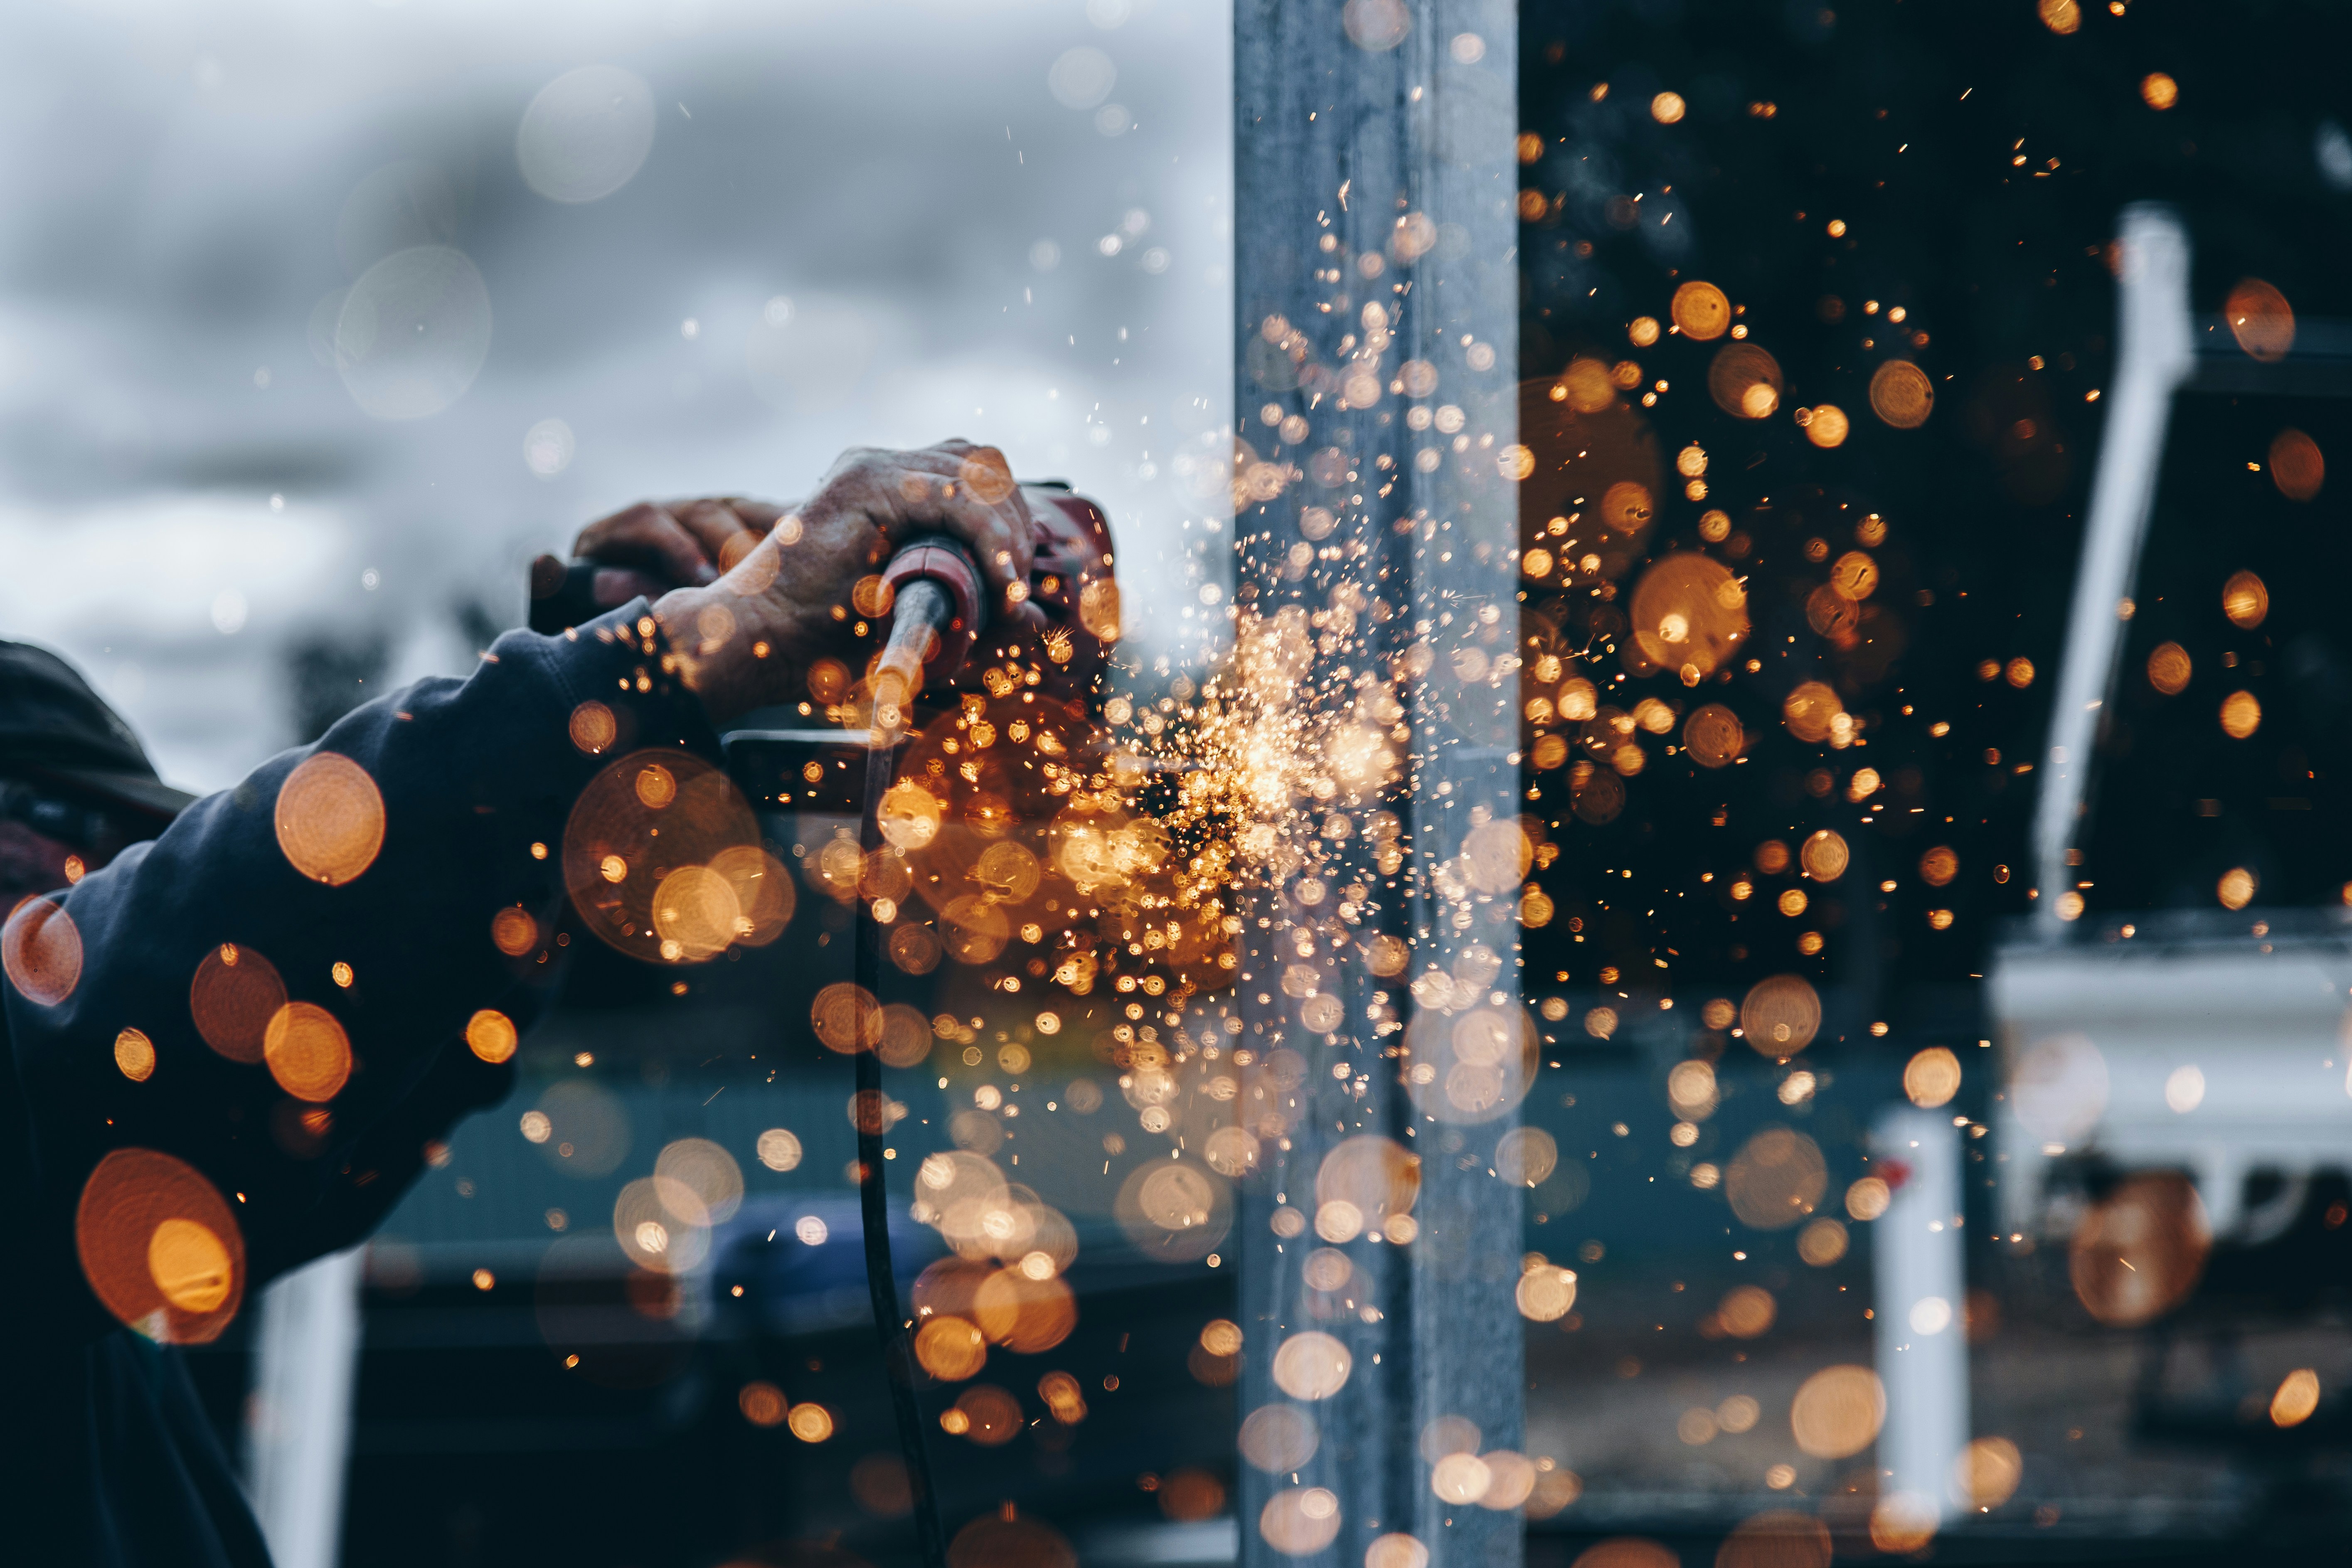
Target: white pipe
2154, 355
298, 1425
1920, 1278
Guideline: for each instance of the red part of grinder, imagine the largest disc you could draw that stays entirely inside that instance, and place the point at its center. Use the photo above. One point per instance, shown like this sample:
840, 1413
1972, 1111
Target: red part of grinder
1071, 582
953, 570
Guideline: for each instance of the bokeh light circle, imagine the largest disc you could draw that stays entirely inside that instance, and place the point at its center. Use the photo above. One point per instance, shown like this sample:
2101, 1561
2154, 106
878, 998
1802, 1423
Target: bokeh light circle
232, 997
705, 1170
1376, 25
160, 1248
1712, 735
413, 332
1838, 1411
1901, 394
1745, 380
950, 1349
993, 1540
643, 819
2261, 318
1027, 1315
2298, 467
1986, 1475
40, 951
513, 932
330, 818
2140, 1250
490, 1034
1701, 311
1300, 1521
1780, 1015
1823, 1242
587, 133
1932, 1076
1312, 1365
1174, 1211
1279, 1438
1778, 1538
307, 1051
134, 1055
1777, 1179
1689, 613
1081, 77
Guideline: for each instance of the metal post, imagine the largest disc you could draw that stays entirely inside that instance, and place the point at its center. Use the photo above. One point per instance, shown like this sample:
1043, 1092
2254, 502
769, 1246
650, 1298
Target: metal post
298, 1430
1376, 274
1921, 1282
2154, 355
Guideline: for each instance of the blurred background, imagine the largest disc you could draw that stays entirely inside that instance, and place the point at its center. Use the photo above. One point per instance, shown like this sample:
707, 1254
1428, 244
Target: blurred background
666, 250
691, 248
1878, 300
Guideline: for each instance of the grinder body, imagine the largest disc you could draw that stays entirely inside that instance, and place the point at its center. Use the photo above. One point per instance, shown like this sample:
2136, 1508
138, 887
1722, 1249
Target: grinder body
939, 638
1071, 582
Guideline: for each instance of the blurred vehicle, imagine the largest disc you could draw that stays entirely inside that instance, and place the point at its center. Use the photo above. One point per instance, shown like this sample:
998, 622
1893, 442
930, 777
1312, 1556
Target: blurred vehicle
2177, 1120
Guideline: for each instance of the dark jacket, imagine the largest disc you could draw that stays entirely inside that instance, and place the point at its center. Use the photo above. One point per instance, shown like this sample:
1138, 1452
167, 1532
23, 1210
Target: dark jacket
105, 1457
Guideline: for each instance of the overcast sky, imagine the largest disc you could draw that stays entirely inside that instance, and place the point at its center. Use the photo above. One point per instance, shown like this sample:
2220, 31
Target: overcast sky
712, 243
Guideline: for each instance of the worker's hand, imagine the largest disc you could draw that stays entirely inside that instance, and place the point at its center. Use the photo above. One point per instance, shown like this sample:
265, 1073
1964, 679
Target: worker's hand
747, 638
655, 546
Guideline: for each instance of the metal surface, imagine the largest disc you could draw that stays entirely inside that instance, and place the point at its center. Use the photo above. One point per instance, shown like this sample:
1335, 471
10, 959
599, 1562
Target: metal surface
2317, 364
299, 1427
1920, 1274
1346, 145
2199, 988
2194, 986
2153, 360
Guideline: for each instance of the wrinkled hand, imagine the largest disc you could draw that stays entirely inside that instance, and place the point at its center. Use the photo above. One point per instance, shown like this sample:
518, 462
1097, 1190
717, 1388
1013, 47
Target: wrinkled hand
655, 546
763, 577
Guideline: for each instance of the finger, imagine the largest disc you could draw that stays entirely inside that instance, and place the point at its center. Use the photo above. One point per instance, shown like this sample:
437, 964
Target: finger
712, 522
720, 526
969, 490
905, 495
758, 516
616, 586
999, 543
647, 536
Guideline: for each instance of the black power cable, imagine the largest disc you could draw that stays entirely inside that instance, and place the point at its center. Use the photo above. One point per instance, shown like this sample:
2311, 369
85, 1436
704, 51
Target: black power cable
874, 1202
922, 610
563, 594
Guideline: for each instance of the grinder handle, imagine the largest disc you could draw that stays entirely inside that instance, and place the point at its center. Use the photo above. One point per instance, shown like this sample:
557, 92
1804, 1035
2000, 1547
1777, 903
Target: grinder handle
931, 632
563, 594
1071, 584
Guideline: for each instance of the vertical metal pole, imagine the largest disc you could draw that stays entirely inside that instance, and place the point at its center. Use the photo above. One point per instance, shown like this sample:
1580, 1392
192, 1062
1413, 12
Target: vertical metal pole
1920, 1271
2154, 354
1376, 274
298, 1433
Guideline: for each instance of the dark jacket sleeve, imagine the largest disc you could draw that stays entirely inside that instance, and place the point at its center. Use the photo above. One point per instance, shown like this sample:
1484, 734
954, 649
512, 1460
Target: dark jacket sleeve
477, 778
